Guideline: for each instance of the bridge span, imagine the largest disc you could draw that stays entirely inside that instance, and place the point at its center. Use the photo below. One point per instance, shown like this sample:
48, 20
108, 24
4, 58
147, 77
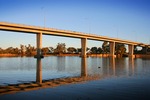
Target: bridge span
39, 31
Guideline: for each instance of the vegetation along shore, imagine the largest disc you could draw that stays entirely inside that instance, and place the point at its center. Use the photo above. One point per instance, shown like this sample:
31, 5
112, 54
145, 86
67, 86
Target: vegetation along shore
61, 50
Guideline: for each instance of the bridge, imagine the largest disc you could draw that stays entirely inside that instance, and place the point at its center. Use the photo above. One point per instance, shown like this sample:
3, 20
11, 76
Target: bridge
39, 31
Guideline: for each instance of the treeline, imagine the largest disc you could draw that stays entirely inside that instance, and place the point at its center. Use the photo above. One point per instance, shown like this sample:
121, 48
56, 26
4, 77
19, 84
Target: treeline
61, 49
23, 50
144, 50
29, 50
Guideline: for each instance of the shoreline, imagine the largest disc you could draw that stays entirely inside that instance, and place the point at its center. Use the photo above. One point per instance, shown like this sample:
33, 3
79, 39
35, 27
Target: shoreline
61, 55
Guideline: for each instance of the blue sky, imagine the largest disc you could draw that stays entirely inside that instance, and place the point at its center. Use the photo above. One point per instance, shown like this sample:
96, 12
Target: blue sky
125, 19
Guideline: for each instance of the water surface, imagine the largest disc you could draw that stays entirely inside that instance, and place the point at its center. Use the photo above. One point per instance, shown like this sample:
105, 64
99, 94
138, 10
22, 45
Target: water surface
23, 69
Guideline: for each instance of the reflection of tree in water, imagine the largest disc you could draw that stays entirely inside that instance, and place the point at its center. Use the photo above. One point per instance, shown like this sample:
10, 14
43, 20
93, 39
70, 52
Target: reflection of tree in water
95, 67
121, 66
73, 64
61, 63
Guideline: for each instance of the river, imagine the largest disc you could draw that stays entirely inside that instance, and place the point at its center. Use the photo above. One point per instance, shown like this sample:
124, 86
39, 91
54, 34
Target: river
105, 78
23, 69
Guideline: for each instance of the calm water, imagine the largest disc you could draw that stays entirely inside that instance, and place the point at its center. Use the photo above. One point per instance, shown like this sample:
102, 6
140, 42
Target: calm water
19, 70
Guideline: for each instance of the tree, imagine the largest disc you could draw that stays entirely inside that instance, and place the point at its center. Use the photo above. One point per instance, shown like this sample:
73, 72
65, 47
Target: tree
9, 50
45, 50
94, 50
120, 49
72, 50
99, 50
15, 51
78, 50
105, 47
135, 49
148, 50
1, 51
61, 48
144, 50
30, 50
22, 49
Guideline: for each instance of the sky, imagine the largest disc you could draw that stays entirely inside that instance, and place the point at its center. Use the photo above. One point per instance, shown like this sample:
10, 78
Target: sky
124, 19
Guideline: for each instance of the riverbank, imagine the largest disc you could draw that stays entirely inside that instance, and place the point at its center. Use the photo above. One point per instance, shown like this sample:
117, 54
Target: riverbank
89, 55
142, 56
9, 55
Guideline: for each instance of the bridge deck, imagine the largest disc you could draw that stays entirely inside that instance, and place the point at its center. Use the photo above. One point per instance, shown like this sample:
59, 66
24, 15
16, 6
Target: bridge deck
57, 32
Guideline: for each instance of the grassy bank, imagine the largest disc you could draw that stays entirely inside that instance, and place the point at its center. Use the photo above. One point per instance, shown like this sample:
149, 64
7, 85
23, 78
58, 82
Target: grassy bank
9, 55
91, 55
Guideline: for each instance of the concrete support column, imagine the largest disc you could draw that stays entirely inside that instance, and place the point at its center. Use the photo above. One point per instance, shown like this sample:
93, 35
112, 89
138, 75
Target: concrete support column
83, 47
39, 46
39, 56
131, 50
112, 49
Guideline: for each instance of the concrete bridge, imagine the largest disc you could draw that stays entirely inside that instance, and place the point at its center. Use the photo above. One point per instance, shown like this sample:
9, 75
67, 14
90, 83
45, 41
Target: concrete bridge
39, 31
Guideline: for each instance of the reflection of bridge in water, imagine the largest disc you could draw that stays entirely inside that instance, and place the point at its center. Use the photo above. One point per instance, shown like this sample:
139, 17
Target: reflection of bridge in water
109, 69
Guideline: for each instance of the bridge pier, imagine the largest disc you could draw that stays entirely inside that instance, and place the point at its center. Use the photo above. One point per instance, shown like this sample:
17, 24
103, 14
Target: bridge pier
112, 49
39, 56
131, 50
83, 47
39, 46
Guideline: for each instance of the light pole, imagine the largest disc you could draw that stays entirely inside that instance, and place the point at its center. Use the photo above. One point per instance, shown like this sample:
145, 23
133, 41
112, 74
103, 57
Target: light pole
44, 16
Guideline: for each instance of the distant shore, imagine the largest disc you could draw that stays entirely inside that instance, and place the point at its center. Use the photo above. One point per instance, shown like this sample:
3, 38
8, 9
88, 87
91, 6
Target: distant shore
9, 55
16, 55
91, 55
